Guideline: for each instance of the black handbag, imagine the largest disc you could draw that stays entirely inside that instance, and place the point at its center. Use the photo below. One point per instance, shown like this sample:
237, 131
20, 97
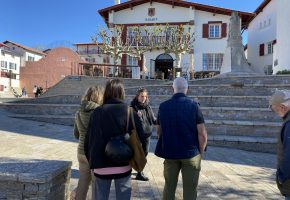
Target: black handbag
117, 149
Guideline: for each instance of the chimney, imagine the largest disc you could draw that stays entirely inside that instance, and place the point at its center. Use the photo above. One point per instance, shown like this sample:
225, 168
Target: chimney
117, 2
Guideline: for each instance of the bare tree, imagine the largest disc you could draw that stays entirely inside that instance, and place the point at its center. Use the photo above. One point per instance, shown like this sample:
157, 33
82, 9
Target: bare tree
179, 40
140, 39
113, 43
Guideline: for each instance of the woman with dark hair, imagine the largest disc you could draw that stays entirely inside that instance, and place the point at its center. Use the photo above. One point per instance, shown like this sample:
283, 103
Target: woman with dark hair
109, 121
92, 99
140, 104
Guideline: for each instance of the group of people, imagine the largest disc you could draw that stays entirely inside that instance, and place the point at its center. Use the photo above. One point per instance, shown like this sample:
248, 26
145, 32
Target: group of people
182, 140
37, 91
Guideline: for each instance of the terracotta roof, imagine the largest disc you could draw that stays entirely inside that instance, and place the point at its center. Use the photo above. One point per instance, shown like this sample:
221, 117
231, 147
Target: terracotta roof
3, 45
26, 48
262, 6
246, 16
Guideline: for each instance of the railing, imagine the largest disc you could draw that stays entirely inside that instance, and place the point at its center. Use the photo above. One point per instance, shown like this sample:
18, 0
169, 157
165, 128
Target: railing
107, 70
92, 51
151, 40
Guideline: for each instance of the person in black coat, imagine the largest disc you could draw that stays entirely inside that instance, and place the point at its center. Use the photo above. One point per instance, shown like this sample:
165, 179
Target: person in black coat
140, 104
108, 121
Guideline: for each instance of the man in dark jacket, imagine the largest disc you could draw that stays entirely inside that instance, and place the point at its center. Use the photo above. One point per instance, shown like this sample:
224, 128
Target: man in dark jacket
280, 104
182, 140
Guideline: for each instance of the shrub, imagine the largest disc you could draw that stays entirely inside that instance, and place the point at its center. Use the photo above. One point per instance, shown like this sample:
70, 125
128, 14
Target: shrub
285, 71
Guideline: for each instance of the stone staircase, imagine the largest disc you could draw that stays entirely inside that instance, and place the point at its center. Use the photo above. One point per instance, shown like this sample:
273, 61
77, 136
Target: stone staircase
235, 109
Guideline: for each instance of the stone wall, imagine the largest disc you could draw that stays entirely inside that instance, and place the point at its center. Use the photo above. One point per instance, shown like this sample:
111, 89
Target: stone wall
34, 179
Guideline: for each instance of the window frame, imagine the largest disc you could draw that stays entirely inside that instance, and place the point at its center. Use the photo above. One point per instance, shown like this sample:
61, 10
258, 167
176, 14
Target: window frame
214, 34
212, 61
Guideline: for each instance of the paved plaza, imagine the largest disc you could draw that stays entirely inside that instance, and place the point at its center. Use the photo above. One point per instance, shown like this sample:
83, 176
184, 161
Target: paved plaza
226, 173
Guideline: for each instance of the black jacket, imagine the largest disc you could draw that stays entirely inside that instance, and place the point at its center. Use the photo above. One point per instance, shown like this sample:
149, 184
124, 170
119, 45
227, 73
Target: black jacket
102, 127
147, 118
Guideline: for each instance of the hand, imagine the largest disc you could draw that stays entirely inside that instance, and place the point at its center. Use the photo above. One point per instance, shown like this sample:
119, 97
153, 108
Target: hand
139, 113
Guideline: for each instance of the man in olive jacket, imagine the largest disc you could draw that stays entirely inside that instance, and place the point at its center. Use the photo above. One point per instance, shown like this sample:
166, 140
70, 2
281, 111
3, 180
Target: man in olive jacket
280, 104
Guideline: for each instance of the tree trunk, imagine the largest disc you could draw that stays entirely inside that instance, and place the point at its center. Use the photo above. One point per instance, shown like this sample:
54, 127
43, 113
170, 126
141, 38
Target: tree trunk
115, 69
177, 65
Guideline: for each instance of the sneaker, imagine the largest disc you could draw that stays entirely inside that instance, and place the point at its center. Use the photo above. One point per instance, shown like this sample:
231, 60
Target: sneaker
141, 177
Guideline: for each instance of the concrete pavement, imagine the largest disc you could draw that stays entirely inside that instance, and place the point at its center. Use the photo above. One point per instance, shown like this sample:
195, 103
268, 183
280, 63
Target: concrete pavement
226, 173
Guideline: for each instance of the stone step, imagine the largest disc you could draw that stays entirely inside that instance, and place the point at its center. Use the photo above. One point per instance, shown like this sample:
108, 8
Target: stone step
240, 114
54, 119
272, 79
214, 90
55, 99
214, 127
155, 100
250, 143
260, 144
41, 109
243, 128
215, 101
213, 113
79, 84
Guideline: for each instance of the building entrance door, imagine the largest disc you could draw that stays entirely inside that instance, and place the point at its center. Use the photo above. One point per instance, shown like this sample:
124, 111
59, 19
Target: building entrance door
164, 66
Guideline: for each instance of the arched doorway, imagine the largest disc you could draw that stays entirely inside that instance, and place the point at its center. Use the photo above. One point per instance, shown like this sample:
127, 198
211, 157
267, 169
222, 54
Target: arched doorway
164, 66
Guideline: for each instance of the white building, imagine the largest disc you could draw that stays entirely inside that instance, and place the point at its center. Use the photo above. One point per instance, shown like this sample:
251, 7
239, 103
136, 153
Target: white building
268, 36
10, 68
12, 57
92, 53
27, 54
208, 23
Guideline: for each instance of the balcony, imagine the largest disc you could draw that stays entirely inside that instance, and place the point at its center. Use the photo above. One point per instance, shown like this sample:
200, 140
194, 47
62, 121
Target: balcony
152, 40
91, 51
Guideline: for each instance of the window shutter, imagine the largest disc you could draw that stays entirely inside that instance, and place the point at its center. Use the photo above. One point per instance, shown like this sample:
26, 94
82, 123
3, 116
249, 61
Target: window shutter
262, 46
124, 60
205, 30
140, 63
224, 30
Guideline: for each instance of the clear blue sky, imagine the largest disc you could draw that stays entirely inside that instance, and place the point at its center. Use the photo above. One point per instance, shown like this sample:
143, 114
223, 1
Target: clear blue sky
51, 23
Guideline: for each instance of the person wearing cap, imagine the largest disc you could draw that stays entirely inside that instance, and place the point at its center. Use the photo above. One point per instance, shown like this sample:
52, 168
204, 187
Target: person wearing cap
280, 104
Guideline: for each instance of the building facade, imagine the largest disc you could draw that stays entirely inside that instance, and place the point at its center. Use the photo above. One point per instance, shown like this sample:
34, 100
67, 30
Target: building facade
48, 71
10, 68
268, 39
27, 54
208, 24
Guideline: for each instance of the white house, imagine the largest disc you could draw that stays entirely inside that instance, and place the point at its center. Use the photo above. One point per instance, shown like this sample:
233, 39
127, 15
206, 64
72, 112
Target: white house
208, 23
92, 53
27, 54
10, 68
268, 37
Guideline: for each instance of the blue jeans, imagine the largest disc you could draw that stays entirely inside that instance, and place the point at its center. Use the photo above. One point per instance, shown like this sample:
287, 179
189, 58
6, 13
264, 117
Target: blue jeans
287, 197
190, 169
122, 187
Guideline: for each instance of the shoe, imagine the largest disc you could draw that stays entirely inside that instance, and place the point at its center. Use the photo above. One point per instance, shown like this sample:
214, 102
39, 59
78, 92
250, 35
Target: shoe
141, 177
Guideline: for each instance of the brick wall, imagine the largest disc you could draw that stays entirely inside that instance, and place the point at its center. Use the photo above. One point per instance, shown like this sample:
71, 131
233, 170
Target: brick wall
48, 71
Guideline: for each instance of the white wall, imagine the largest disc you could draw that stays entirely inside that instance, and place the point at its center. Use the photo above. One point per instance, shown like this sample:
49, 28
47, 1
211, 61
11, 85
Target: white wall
35, 56
205, 45
260, 31
24, 54
10, 58
283, 31
163, 13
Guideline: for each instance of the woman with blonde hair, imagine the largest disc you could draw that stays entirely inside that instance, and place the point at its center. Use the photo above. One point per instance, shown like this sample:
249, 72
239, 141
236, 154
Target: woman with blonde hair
91, 100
